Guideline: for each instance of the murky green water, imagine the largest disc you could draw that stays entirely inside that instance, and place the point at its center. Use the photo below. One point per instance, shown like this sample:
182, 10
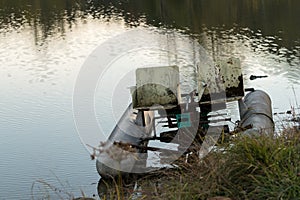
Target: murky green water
44, 44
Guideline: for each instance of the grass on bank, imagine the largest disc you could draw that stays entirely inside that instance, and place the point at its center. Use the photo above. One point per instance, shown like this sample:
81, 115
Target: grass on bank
256, 167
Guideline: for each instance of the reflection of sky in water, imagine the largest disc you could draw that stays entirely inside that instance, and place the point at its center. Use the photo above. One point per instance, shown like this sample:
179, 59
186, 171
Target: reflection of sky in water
37, 130
38, 137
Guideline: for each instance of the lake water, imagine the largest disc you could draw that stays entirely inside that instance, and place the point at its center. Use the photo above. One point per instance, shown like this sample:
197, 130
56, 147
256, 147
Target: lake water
45, 44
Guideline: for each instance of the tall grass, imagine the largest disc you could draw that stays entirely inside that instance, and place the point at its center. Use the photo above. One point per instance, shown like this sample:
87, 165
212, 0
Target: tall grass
262, 167
256, 167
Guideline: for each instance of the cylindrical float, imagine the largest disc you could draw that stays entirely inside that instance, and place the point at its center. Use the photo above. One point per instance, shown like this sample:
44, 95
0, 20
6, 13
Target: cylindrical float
256, 113
117, 155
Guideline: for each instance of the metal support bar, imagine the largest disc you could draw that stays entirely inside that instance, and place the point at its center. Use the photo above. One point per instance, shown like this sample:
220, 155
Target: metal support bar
125, 146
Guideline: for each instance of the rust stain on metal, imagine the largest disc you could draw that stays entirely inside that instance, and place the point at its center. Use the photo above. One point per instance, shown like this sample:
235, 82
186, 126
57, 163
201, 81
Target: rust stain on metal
224, 80
156, 86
